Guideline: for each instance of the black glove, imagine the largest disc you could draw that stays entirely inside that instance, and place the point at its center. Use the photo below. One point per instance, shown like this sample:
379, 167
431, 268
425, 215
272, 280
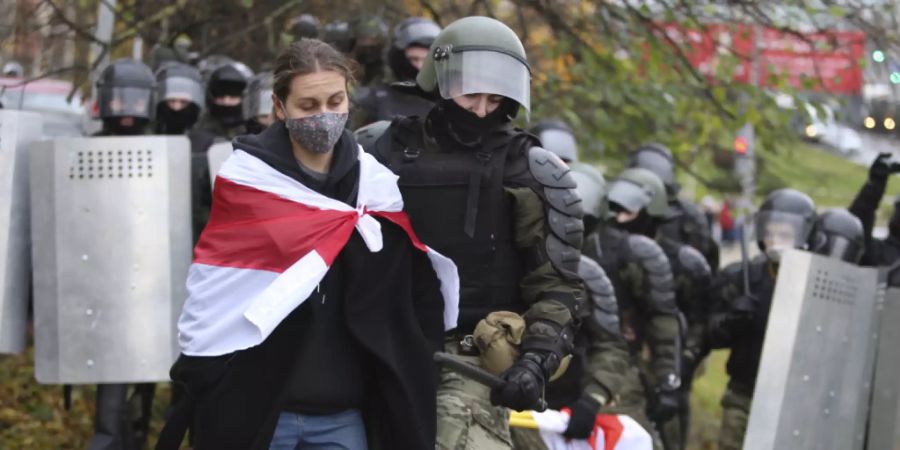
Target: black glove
882, 167
667, 400
741, 314
584, 417
524, 384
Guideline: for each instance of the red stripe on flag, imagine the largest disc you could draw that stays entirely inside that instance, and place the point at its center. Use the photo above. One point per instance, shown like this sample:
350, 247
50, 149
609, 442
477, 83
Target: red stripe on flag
253, 229
401, 219
612, 429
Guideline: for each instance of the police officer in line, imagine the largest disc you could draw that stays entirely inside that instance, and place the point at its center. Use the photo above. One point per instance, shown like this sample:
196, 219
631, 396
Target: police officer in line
222, 120
488, 196
688, 224
125, 100
370, 35
785, 220
840, 235
602, 365
257, 103
642, 211
879, 252
408, 51
339, 35
179, 98
304, 26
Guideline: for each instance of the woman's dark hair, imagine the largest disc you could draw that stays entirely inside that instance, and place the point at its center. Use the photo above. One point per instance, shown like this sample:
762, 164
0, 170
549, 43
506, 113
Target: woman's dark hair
308, 56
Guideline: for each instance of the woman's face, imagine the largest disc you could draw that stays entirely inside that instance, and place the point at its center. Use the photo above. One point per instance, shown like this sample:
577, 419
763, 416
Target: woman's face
479, 104
314, 93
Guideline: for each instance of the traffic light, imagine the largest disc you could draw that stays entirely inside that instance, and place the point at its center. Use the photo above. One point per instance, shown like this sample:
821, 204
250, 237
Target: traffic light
878, 56
741, 145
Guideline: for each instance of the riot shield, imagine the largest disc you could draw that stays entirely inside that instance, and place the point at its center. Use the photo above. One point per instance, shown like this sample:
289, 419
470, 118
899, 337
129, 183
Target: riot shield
112, 246
884, 417
814, 378
17, 130
216, 155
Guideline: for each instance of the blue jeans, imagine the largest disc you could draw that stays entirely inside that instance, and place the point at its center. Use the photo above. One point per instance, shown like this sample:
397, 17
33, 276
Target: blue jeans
341, 431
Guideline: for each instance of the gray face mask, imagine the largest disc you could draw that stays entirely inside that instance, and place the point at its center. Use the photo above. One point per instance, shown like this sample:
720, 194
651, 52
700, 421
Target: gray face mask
317, 133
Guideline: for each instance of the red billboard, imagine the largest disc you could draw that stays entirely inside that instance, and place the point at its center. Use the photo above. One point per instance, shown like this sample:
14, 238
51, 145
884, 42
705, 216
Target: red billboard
827, 61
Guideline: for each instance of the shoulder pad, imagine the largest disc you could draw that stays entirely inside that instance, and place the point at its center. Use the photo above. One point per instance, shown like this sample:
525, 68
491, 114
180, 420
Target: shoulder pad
369, 134
604, 306
694, 262
549, 170
563, 256
652, 260
647, 250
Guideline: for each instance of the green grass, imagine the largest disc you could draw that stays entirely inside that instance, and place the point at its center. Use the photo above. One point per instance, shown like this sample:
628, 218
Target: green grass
707, 392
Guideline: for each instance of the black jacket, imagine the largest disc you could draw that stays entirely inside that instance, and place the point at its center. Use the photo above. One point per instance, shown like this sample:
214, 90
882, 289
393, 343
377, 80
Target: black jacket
392, 307
879, 252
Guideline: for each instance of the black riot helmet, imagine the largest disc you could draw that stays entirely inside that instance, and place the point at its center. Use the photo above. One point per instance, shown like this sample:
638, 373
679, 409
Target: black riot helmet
227, 82
841, 235
339, 35
658, 159
257, 102
558, 137
179, 97
786, 219
125, 89
414, 32
304, 26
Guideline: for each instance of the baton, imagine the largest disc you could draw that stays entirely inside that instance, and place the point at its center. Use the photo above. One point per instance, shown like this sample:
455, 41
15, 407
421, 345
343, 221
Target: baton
475, 373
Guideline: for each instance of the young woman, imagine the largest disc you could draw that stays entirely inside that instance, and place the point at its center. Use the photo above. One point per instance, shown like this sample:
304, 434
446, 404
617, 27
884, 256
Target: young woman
314, 310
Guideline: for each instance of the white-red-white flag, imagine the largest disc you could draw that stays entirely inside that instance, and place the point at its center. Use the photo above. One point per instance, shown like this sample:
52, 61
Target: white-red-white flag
269, 242
611, 431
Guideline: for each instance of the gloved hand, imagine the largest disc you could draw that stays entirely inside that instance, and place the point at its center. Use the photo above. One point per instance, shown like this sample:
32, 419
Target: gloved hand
667, 401
584, 417
524, 384
882, 167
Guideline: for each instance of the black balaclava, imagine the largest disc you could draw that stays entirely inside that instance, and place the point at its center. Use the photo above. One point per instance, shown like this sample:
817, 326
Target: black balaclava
169, 121
113, 126
253, 127
400, 65
467, 128
643, 224
230, 116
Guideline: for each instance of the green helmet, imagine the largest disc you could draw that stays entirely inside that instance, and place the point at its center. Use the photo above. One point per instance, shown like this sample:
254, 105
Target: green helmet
477, 55
636, 189
591, 189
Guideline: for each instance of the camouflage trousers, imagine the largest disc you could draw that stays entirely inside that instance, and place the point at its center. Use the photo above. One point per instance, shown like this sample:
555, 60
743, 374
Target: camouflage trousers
466, 420
735, 411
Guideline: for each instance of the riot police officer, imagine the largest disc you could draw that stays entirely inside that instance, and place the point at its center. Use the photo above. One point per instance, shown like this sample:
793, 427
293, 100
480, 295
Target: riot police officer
485, 194
688, 223
840, 235
223, 120
879, 252
257, 103
642, 211
786, 219
179, 98
339, 35
304, 26
412, 38
370, 35
125, 98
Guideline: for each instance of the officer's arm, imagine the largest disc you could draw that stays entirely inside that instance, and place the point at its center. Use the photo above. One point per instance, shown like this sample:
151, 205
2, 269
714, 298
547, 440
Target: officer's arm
866, 203
607, 357
695, 292
725, 289
653, 276
548, 232
701, 238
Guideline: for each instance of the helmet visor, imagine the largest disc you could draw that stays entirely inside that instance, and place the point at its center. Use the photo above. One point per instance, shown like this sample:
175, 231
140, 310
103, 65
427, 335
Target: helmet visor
419, 33
258, 103
781, 230
125, 102
181, 88
484, 72
593, 200
629, 195
844, 249
560, 142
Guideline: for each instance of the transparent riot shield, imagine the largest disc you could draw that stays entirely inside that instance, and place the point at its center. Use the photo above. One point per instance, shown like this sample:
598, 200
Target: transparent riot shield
884, 416
112, 246
216, 155
18, 130
813, 384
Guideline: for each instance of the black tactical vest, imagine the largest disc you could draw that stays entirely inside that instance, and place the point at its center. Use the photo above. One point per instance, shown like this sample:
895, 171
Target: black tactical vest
457, 205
